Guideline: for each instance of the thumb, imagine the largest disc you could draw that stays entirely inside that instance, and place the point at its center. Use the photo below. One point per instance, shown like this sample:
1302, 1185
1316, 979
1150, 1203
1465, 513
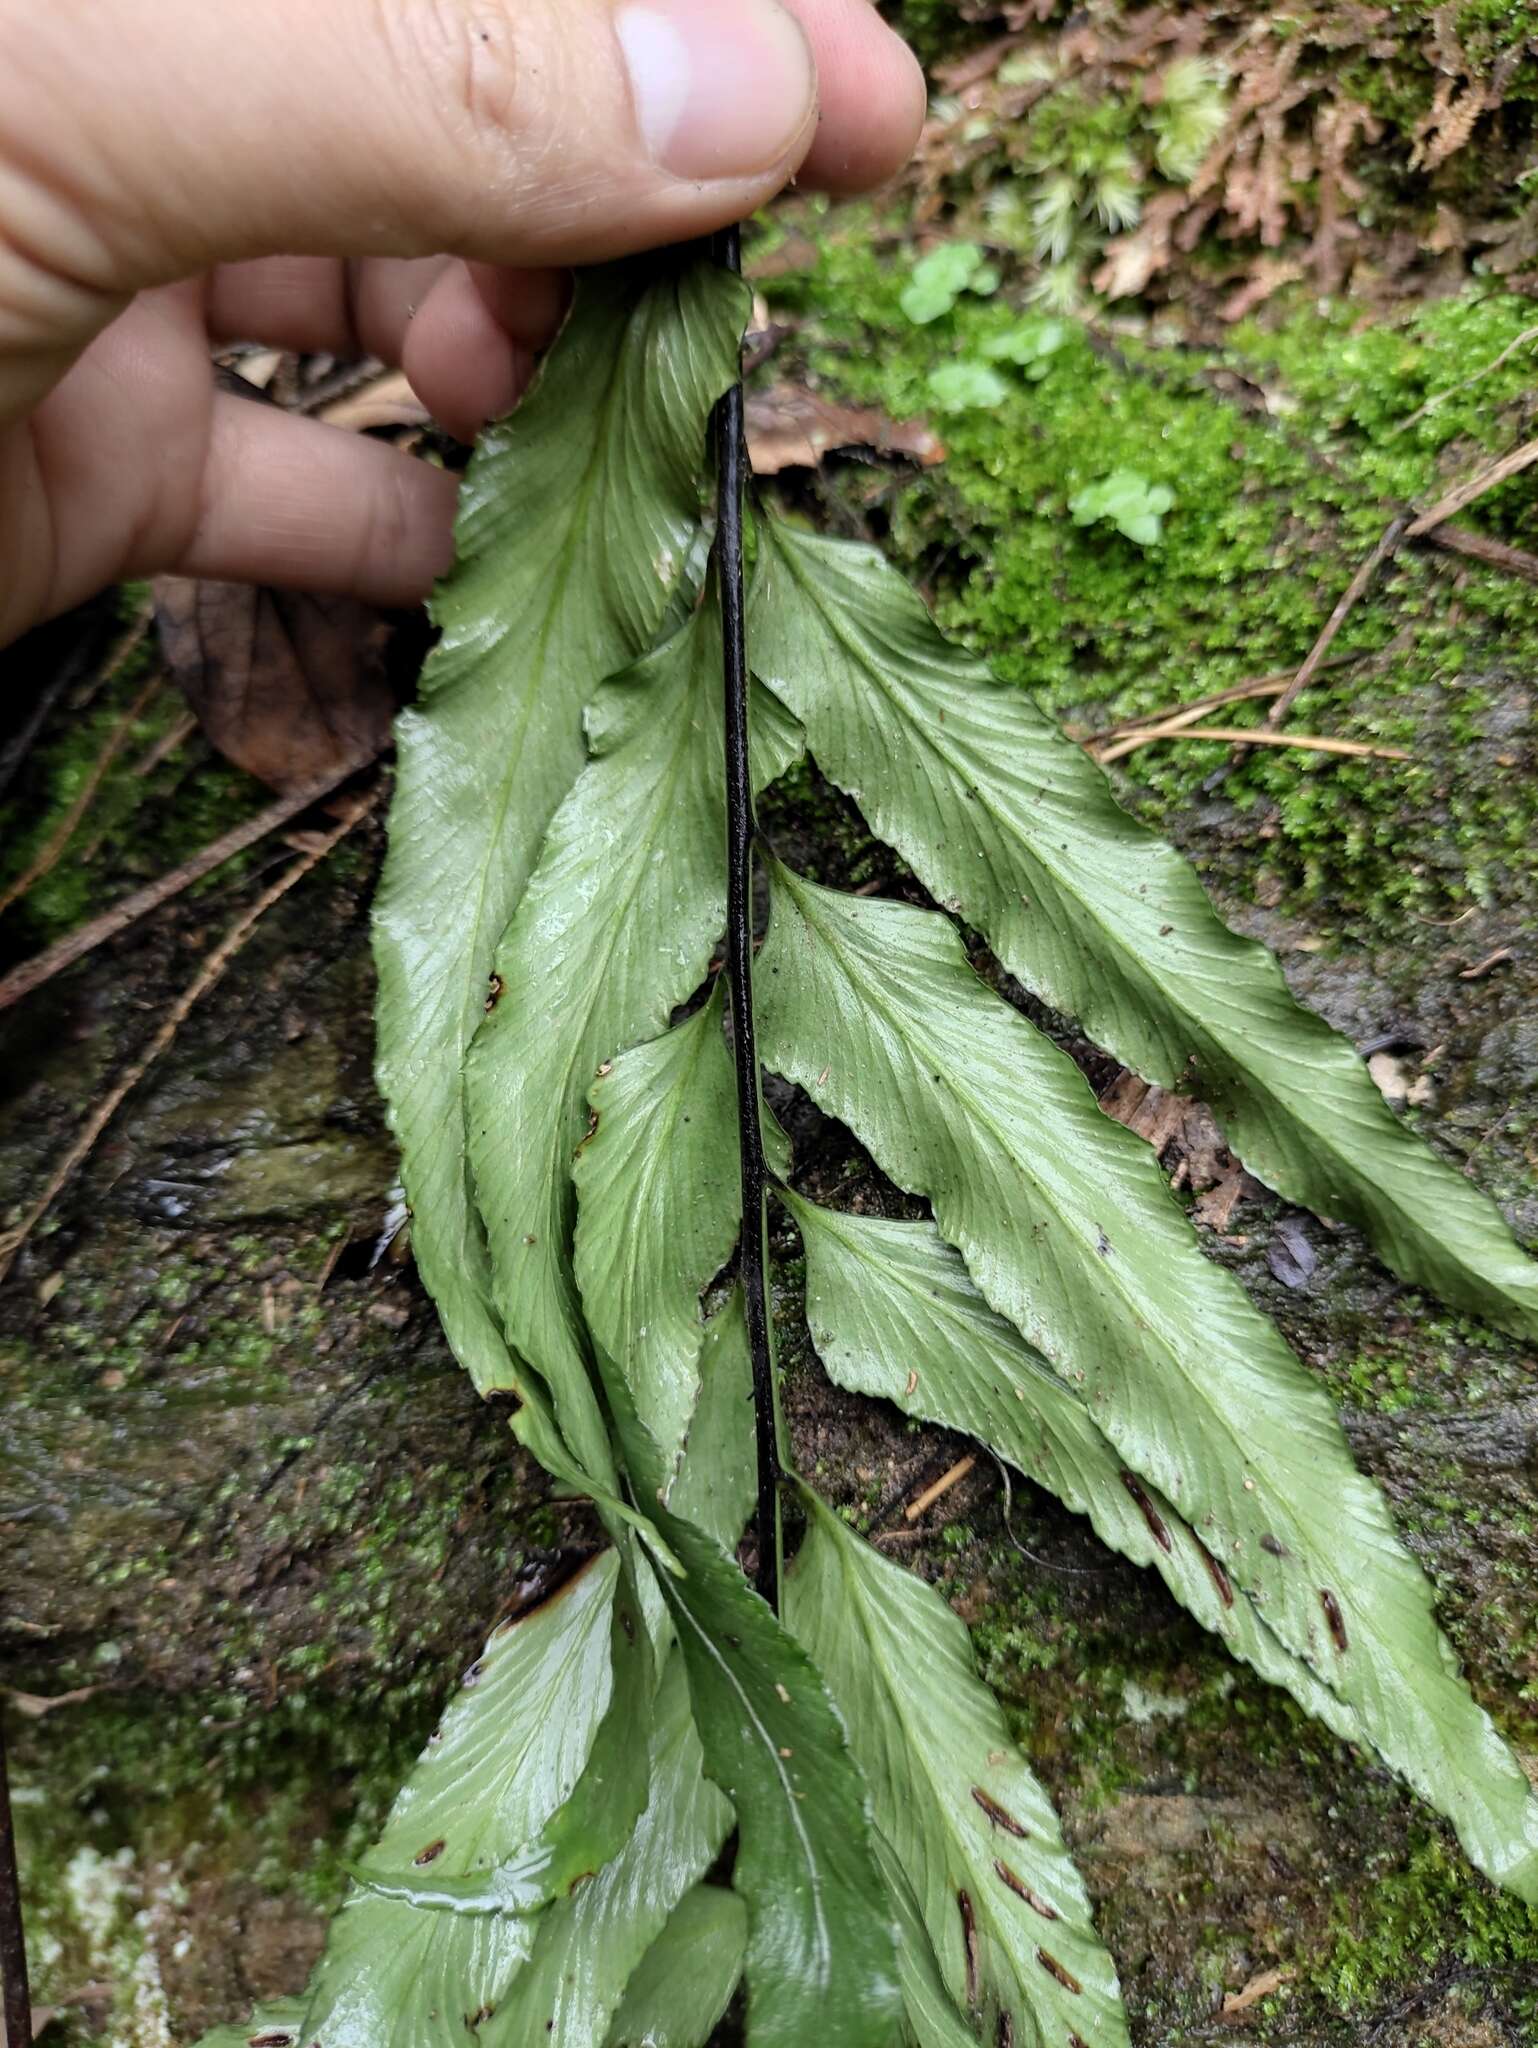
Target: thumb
141, 144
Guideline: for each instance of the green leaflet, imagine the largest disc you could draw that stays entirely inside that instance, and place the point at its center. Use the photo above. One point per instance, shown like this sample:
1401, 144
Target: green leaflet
885, 1298
553, 591
613, 933
717, 1482
275, 2025
508, 1755
659, 1207
933, 2021
588, 1946
1068, 1231
966, 1820
687, 1976
821, 1963
584, 1833
1011, 825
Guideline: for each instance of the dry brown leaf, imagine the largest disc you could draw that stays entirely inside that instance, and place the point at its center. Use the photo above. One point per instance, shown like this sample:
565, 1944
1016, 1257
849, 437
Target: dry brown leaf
37, 1705
1236, 2002
1267, 275
1185, 1138
386, 401
792, 428
289, 686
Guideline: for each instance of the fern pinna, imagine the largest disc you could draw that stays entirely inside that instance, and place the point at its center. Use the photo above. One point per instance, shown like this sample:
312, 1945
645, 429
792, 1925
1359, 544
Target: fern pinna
552, 1043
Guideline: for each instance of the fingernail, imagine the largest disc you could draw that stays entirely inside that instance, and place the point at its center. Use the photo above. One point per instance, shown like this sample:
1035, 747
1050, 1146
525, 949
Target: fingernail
722, 88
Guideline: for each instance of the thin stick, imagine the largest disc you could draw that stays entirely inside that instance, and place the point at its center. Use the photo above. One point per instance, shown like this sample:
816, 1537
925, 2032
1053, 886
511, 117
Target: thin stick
941, 1487
64, 674
32, 974
1357, 588
1463, 495
1238, 736
1479, 547
50, 854
13, 1945
1173, 722
208, 975
1236, 693
731, 464
1441, 397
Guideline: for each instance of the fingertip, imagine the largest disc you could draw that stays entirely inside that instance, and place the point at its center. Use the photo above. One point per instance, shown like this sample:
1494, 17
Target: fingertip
291, 502
528, 305
462, 361
874, 97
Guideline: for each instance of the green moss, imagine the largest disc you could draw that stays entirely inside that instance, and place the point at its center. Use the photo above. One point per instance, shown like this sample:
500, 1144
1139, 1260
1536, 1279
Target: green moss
256, 1806
1423, 1912
144, 817
1272, 514
936, 29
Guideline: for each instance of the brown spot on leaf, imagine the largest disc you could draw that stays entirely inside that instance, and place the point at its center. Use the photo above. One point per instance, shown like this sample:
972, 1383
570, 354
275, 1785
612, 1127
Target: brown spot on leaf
1273, 1546
969, 1937
1335, 1618
430, 1854
1055, 1969
1022, 1890
1148, 1511
1216, 1573
998, 1815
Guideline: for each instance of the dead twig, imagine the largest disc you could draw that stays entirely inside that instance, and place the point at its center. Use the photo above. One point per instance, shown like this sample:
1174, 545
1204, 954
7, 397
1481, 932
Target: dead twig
1479, 547
32, 974
1236, 693
1407, 526
36, 1705
50, 666
58, 840
941, 1487
1354, 591
1486, 966
169, 743
1259, 736
1172, 723
208, 975
1461, 496
1441, 397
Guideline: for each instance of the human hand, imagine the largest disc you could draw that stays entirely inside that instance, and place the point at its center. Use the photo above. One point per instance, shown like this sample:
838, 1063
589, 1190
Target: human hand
182, 173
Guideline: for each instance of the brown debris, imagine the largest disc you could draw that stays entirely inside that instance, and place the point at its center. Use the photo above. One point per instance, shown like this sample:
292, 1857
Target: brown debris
287, 685
1236, 2003
1284, 172
790, 427
1189, 1145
